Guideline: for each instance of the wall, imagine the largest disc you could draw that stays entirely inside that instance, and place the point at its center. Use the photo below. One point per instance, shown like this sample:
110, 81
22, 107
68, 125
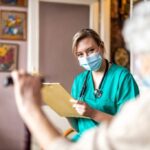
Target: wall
58, 23
11, 126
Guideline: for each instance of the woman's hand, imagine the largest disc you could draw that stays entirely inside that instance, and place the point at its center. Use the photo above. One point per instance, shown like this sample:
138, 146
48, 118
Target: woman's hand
27, 91
82, 108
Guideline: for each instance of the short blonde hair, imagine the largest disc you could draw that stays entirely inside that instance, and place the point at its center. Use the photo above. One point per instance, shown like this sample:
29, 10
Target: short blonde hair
84, 33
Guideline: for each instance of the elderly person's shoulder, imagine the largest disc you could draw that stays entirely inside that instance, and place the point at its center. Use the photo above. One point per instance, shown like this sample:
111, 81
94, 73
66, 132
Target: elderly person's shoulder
141, 102
132, 124
135, 111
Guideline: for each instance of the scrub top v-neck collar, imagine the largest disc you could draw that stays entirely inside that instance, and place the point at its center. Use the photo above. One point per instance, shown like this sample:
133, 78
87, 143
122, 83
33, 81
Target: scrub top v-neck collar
100, 87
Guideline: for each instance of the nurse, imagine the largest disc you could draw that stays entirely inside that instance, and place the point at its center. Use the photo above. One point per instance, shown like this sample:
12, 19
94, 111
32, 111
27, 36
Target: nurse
102, 89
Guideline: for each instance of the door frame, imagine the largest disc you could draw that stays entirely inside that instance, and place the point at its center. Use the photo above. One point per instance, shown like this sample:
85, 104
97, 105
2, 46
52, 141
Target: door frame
33, 26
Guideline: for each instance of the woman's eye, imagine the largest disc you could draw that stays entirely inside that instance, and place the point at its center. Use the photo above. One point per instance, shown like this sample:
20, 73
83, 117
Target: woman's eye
90, 51
79, 55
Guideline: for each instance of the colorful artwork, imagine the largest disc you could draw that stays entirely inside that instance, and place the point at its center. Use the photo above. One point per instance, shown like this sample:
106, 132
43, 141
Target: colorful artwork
8, 56
14, 2
13, 25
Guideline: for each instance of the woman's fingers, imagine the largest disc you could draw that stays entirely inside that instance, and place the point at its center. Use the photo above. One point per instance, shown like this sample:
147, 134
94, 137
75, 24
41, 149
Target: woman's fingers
78, 106
81, 107
80, 111
73, 101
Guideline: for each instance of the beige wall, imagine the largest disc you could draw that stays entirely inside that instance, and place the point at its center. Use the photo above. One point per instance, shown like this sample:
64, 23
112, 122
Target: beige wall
58, 23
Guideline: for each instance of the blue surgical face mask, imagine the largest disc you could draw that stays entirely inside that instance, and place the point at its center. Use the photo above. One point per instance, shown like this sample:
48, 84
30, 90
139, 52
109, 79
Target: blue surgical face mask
92, 62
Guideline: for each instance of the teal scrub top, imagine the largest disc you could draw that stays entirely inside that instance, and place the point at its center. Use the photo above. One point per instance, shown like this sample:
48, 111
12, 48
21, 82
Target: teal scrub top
117, 87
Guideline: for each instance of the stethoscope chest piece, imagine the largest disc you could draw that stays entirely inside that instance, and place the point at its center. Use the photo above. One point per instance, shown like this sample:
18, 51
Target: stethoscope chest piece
97, 93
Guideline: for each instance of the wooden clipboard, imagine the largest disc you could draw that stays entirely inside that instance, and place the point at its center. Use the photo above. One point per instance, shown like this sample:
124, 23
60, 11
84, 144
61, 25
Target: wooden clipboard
55, 96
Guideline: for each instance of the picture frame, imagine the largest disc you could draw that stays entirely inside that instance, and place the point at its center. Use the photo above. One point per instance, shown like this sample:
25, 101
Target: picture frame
8, 56
13, 25
20, 3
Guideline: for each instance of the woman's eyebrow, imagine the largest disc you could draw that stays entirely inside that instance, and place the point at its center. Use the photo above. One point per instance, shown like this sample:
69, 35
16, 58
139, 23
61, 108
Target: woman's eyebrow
86, 50
89, 48
77, 53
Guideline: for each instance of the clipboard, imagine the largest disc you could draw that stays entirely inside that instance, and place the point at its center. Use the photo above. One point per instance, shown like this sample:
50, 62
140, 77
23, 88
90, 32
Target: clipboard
55, 96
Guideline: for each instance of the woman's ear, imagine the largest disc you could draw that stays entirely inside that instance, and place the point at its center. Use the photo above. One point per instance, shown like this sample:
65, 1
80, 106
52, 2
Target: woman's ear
101, 50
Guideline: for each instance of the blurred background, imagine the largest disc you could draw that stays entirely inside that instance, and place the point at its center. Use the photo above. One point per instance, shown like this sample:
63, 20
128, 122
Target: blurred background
36, 35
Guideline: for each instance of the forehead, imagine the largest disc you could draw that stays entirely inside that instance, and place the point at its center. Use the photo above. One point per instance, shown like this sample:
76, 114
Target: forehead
86, 43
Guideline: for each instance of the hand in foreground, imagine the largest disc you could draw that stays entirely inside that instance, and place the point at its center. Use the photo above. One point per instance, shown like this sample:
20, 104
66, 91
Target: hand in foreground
27, 91
82, 108
28, 98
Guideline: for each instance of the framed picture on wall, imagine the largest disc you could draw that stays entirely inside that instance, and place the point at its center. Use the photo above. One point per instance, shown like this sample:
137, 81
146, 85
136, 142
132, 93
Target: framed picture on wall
13, 25
22, 3
8, 56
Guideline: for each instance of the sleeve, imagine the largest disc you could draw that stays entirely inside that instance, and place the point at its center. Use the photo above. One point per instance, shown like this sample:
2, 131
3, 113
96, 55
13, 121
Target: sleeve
93, 139
130, 128
127, 90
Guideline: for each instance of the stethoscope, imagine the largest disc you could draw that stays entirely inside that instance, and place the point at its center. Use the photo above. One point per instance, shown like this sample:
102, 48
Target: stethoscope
97, 92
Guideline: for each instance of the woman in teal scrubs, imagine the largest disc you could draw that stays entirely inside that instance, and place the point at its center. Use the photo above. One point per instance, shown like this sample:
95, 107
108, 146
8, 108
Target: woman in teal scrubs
103, 88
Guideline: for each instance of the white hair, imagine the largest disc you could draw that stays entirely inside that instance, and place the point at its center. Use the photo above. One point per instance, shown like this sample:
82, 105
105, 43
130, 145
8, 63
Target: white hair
136, 30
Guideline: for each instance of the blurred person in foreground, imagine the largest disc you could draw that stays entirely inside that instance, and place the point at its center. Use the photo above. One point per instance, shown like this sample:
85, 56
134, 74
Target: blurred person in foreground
129, 130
